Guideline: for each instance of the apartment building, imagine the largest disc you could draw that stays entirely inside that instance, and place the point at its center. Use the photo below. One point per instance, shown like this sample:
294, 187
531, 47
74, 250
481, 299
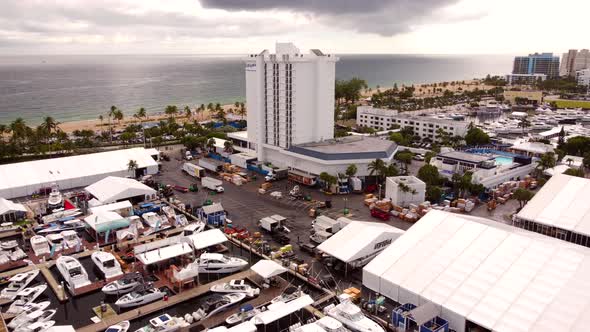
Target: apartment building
573, 61
537, 63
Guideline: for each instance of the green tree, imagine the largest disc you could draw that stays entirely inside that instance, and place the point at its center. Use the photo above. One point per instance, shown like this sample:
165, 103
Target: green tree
187, 112
579, 172
476, 136
49, 125
228, 146
171, 110
546, 161
522, 196
211, 144
433, 194
405, 158
351, 170
377, 167
429, 174
132, 165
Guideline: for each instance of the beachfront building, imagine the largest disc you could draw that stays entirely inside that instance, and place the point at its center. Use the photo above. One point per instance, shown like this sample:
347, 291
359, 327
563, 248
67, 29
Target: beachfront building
583, 77
482, 275
537, 63
290, 99
534, 97
25, 178
524, 79
405, 190
489, 168
423, 126
531, 149
560, 209
573, 61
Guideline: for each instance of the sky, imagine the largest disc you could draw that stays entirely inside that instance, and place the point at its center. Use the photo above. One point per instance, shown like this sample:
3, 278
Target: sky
335, 26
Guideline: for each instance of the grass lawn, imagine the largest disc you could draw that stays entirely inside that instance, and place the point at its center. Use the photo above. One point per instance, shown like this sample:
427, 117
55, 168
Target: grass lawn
561, 103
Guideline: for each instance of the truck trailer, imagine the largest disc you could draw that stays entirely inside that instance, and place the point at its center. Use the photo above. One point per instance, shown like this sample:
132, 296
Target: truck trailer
212, 184
210, 164
303, 178
194, 170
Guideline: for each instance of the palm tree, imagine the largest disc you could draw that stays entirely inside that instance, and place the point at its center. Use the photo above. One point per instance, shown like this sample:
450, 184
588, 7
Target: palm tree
524, 123
188, 112
211, 144
3, 129
19, 130
171, 110
228, 146
118, 116
111, 114
220, 114
351, 170
546, 161
237, 104
101, 118
132, 165
49, 125
241, 112
377, 167
569, 161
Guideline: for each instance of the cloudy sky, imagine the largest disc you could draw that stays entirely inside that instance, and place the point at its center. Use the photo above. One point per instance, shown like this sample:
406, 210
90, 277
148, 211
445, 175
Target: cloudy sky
337, 26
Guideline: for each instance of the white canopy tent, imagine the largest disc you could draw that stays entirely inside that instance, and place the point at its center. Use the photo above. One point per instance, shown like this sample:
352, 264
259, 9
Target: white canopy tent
246, 326
500, 277
268, 269
9, 210
279, 310
207, 238
112, 189
23, 179
360, 241
164, 253
563, 203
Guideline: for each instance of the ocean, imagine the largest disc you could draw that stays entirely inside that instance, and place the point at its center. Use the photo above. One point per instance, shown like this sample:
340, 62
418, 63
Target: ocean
83, 87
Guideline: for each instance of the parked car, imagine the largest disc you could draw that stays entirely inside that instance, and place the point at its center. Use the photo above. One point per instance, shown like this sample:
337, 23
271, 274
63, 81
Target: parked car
181, 189
380, 214
418, 157
307, 247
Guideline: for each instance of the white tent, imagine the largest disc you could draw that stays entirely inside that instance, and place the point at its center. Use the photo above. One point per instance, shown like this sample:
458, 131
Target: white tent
9, 207
112, 189
207, 239
100, 221
164, 253
500, 277
360, 241
561, 203
279, 310
246, 326
268, 269
124, 208
23, 179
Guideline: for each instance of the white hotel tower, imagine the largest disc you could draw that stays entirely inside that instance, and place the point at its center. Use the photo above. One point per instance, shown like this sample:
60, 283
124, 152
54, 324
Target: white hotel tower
290, 98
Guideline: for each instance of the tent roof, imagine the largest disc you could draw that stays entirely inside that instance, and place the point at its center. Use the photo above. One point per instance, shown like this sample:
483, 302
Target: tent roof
208, 238
267, 268
358, 239
213, 208
7, 206
112, 206
279, 310
44, 172
164, 253
424, 313
562, 202
500, 277
246, 326
113, 188
102, 217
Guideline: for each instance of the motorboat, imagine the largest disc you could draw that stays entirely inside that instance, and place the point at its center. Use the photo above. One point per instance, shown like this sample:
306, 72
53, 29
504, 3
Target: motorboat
33, 317
163, 323
40, 245
143, 295
121, 327
194, 228
154, 220
191, 270
4, 257
331, 325
311, 327
218, 303
17, 254
290, 294
25, 297
124, 285
351, 316
246, 312
23, 317
55, 199
71, 239
55, 241
107, 264
9, 245
169, 212
236, 286
219, 263
73, 273
36, 327
18, 283
73, 224
60, 214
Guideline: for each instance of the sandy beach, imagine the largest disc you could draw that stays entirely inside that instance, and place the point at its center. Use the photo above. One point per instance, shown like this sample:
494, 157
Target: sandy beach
425, 90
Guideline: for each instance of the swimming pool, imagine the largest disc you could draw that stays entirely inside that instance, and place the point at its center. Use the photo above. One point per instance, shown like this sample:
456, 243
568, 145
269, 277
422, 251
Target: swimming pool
501, 160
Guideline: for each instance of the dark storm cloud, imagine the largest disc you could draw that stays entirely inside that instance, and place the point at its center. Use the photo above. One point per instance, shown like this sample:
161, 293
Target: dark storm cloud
384, 17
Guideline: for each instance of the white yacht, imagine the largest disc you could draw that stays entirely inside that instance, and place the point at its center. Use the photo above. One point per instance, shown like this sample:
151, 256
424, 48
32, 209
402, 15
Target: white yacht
194, 228
27, 309
34, 317
154, 220
60, 214
124, 285
18, 283
55, 200
331, 325
36, 327
55, 241
163, 323
352, 317
8, 245
218, 303
107, 264
120, 327
40, 245
17, 254
71, 238
73, 273
246, 312
236, 286
25, 297
310, 327
218, 263
141, 296
288, 295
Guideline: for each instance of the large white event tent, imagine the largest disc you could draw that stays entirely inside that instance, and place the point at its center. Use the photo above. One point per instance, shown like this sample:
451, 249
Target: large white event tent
112, 189
358, 242
10, 210
25, 178
499, 277
560, 209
